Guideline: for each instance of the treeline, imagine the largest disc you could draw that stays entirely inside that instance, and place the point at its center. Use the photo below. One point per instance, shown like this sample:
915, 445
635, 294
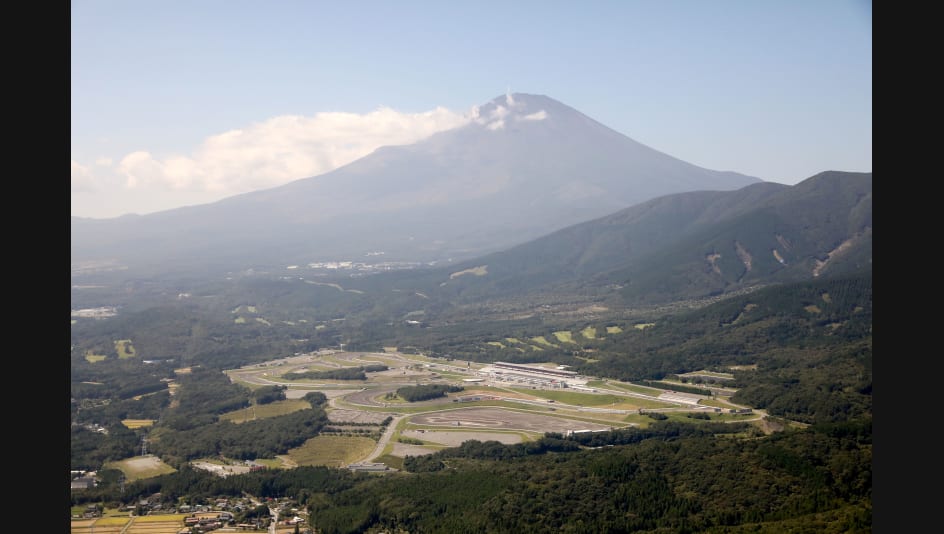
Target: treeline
203, 395
90, 449
810, 479
267, 394
114, 411
196, 485
672, 477
426, 392
116, 379
811, 344
344, 373
826, 386
260, 438
556, 442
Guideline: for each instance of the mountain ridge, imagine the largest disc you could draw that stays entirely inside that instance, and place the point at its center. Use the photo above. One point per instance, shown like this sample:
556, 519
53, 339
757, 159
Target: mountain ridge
686, 245
524, 166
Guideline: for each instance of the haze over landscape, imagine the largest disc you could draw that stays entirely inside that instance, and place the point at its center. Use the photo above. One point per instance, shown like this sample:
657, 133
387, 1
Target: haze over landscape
178, 104
506, 267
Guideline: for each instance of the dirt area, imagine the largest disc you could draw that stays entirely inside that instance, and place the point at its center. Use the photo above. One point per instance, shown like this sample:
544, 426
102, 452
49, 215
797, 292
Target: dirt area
503, 419
221, 470
403, 450
143, 464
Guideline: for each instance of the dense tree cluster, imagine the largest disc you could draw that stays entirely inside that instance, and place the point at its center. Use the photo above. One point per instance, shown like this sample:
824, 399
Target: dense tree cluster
203, 395
344, 373
426, 392
673, 477
89, 449
260, 438
267, 394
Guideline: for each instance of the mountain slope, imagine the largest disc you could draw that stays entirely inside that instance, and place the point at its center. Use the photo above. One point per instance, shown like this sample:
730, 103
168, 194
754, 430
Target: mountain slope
525, 165
686, 245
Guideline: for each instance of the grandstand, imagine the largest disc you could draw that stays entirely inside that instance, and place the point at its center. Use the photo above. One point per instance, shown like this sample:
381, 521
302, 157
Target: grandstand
542, 376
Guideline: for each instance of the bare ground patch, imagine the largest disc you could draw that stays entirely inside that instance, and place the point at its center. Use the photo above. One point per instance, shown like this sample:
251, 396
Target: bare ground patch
142, 467
404, 449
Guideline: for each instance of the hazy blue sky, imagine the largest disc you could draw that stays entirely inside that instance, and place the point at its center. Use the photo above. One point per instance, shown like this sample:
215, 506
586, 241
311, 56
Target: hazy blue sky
185, 102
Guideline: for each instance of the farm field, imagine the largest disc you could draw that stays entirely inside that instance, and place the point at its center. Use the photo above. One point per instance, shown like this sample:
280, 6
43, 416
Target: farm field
332, 451
148, 524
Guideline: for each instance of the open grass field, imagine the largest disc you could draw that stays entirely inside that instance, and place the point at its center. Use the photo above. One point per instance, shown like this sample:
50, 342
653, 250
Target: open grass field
613, 330
124, 348
271, 463
572, 397
564, 336
643, 326
543, 341
262, 411
91, 357
589, 332
141, 467
332, 451
716, 403
137, 423
395, 462
627, 387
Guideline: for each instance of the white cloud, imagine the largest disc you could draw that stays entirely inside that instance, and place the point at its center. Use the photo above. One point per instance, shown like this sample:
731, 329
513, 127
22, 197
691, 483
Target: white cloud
536, 116
500, 112
103, 161
81, 179
140, 169
282, 149
495, 119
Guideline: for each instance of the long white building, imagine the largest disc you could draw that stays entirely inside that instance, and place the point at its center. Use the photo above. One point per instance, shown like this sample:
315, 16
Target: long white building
534, 375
